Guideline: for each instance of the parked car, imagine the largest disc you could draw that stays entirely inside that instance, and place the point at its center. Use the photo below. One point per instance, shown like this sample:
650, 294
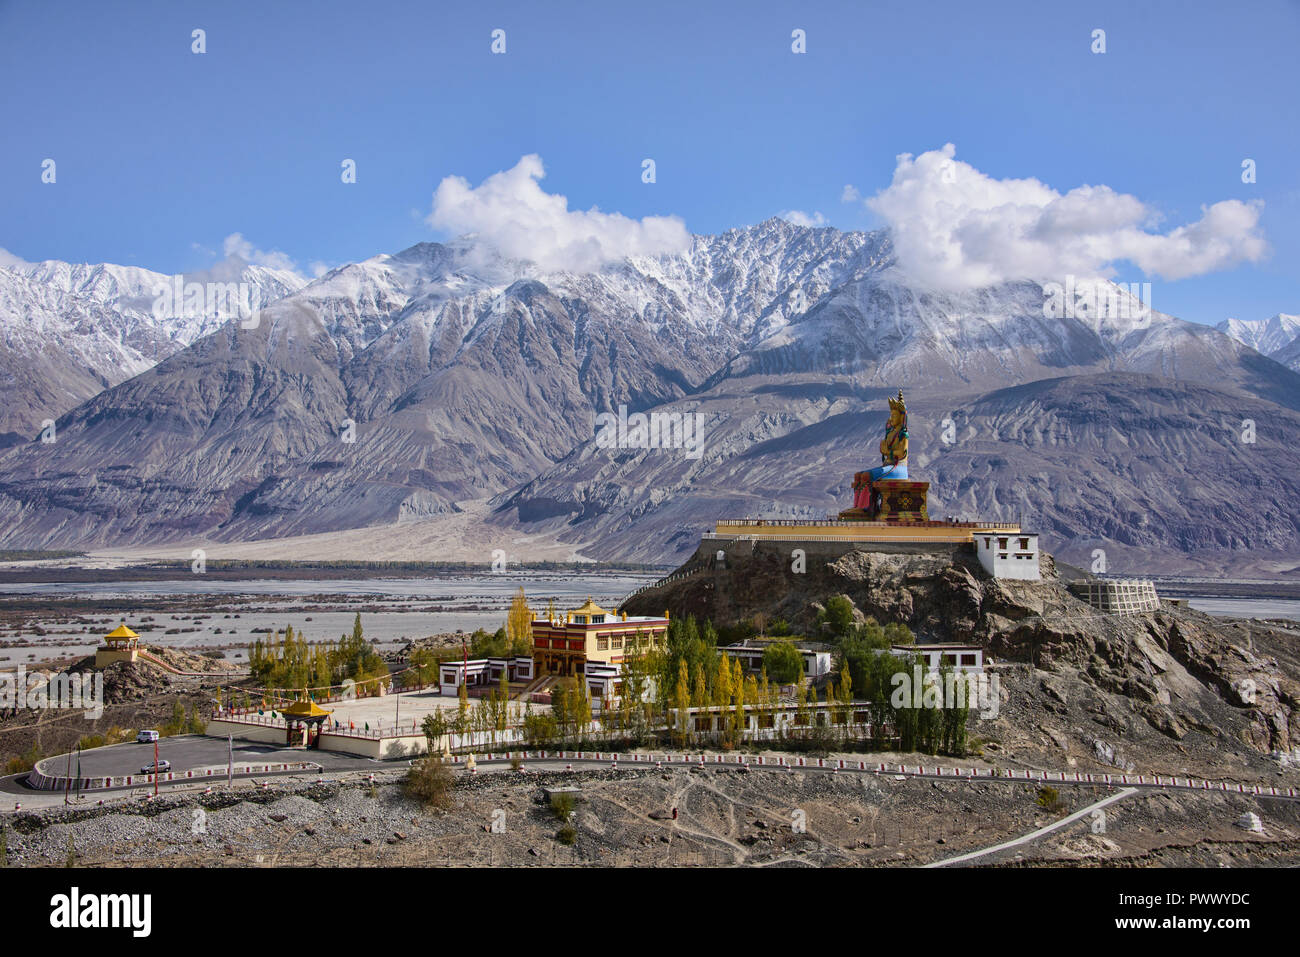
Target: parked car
162, 767
147, 737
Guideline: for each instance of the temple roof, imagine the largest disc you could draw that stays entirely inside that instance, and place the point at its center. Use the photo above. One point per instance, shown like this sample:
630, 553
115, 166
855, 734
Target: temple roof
589, 608
121, 631
304, 709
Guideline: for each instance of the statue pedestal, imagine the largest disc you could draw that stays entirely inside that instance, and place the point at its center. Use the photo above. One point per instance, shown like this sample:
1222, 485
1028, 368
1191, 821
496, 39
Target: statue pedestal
887, 500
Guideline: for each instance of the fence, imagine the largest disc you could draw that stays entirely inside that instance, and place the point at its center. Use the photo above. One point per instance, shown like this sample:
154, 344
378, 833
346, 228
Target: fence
42, 782
907, 770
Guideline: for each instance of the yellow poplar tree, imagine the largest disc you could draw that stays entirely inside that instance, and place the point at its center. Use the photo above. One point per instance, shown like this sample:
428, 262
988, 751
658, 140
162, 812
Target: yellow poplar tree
519, 624
739, 718
682, 698
722, 686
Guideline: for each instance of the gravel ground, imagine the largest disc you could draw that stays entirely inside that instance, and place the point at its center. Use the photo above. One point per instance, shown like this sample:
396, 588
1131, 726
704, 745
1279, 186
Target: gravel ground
726, 817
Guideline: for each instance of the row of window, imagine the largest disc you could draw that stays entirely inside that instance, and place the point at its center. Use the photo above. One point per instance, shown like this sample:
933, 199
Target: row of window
617, 643
1002, 543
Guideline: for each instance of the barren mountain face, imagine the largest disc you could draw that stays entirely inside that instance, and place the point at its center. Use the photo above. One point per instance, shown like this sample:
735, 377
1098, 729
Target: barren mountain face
69, 331
391, 390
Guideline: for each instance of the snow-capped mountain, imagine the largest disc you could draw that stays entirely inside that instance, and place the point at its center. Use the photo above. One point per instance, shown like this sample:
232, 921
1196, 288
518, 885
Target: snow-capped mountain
68, 331
1272, 337
395, 389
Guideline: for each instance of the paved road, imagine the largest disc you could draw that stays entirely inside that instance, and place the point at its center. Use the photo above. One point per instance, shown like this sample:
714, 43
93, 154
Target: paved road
193, 751
1035, 835
187, 752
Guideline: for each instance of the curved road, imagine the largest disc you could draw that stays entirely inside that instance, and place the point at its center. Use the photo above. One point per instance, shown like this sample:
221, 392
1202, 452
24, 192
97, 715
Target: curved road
189, 752
186, 753
1035, 835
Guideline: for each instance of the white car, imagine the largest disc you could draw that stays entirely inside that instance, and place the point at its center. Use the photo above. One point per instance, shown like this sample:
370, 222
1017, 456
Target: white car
162, 767
147, 737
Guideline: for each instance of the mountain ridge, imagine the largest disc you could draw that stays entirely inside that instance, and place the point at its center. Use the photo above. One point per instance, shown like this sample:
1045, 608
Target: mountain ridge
394, 390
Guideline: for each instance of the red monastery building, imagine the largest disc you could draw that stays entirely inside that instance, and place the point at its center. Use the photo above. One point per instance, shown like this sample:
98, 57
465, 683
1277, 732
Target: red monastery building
592, 634
589, 641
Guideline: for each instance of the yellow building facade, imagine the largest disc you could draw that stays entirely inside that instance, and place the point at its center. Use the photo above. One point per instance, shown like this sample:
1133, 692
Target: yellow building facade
590, 633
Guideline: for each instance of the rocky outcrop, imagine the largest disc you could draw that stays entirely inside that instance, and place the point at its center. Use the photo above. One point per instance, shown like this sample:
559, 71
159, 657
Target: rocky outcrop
1171, 678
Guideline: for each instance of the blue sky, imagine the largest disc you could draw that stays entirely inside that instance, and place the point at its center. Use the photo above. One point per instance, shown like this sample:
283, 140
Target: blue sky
162, 153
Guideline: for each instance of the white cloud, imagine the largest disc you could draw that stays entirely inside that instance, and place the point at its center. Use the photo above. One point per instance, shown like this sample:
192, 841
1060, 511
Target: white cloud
800, 218
512, 213
318, 269
956, 228
9, 259
850, 194
235, 246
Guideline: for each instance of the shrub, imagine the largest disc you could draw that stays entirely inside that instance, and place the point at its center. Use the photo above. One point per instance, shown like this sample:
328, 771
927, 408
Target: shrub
562, 805
567, 834
176, 725
116, 735
1049, 799
430, 782
24, 762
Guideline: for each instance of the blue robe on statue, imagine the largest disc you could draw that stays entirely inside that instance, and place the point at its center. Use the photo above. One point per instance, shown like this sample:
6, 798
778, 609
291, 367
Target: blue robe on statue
898, 471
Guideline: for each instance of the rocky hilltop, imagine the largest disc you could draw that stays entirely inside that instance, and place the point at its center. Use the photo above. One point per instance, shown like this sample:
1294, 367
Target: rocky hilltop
1166, 691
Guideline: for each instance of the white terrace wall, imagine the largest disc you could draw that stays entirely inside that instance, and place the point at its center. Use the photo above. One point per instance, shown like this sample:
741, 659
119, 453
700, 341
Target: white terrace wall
367, 744
261, 733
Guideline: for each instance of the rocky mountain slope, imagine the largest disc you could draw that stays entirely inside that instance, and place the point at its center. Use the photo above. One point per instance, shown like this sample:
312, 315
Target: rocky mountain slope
1277, 337
390, 391
68, 331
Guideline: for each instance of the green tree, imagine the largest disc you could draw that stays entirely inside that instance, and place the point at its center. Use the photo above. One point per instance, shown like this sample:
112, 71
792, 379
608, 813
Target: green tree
462, 705
435, 726
739, 721
425, 663
581, 704
783, 662
837, 616
502, 701
560, 706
